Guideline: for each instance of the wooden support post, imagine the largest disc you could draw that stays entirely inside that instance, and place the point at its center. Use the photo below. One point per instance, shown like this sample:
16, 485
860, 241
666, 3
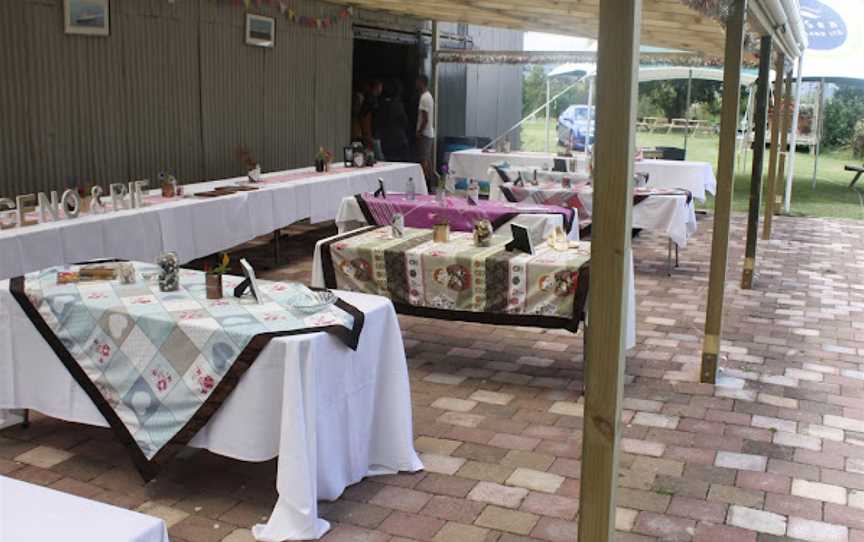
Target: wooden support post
760, 123
436, 94
725, 177
784, 134
771, 188
617, 61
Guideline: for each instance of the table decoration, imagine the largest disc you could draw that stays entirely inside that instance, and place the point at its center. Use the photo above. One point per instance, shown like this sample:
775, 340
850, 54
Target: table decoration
441, 230
169, 184
473, 190
322, 160
482, 233
157, 365
398, 225
381, 192
309, 301
169, 272
126, 273
213, 277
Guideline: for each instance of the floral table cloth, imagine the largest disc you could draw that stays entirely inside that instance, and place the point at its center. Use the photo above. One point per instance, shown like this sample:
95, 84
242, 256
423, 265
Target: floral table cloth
159, 364
459, 281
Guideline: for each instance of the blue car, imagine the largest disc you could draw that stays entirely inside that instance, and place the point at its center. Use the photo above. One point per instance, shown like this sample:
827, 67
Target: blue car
574, 129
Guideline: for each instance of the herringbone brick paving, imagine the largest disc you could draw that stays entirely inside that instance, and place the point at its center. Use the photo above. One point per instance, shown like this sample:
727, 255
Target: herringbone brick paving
774, 453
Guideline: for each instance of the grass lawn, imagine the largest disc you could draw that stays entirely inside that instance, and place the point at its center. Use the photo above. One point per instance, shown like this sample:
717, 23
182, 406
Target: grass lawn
831, 198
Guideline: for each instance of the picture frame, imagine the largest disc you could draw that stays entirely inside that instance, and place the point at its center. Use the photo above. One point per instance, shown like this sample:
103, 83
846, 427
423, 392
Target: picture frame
249, 273
87, 17
260, 31
522, 240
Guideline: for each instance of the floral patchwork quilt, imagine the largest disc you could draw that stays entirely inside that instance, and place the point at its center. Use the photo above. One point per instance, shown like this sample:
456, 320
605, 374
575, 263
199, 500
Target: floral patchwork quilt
158, 364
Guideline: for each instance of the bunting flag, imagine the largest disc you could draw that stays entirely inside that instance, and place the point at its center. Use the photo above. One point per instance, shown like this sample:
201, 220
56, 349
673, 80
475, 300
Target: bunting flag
301, 20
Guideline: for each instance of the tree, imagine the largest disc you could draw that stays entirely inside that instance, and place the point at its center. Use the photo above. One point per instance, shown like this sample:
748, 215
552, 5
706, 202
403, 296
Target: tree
671, 95
534, 92
844, 109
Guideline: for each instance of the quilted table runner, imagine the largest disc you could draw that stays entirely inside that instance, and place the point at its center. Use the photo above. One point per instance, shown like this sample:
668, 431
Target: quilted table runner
157, 364
423, 211
459, 281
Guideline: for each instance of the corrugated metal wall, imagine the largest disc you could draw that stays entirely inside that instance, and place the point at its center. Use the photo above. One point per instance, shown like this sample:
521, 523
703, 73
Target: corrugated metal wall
494, 93
174, 87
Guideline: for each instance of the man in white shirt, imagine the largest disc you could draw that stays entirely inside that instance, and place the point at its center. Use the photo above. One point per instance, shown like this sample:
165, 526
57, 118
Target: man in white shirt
425, 129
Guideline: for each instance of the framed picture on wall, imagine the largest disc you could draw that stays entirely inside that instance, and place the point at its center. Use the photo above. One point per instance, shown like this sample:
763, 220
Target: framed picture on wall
87, 17
260, 30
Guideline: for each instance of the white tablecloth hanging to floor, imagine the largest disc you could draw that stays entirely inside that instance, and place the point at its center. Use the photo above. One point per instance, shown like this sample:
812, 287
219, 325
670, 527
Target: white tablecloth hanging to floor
332, 415
196, 227
630, 325
474, 163
34, 513
350, 217
669, 215
697, 177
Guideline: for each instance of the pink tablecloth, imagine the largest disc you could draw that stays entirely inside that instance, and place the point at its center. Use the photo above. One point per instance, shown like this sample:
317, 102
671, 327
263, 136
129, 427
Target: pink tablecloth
424, 211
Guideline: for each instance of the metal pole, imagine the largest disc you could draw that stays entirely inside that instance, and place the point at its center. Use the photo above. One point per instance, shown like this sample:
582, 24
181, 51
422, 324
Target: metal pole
787, 199
687, 110
590, 134
548, 107
436, 45
818, 131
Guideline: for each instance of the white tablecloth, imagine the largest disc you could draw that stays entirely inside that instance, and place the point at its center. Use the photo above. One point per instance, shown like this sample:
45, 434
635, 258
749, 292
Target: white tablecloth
350, 217
630, 326
669, 215
332, 415
474, 163
194, 227
31, 513
697, 177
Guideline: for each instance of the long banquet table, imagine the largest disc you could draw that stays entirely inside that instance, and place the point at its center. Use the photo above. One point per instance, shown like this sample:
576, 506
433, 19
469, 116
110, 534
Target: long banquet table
31, 512
195, 227
351, 216
666, 211
332, 415
697, 177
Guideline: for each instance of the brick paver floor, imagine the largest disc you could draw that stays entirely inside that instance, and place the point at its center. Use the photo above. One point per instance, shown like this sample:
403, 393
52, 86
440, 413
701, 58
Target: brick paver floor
775, 453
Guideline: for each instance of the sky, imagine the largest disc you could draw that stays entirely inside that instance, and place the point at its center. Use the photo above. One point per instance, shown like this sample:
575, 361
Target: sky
535, 41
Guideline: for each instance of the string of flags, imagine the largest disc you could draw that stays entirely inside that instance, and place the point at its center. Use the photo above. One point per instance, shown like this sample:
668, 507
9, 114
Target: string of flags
302, 20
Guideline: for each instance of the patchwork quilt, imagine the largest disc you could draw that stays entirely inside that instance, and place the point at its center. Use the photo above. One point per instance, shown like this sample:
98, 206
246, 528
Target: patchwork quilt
158, 364
459, 281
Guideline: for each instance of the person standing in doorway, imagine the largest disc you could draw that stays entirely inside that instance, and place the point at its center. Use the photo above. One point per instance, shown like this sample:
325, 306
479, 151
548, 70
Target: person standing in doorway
425, 136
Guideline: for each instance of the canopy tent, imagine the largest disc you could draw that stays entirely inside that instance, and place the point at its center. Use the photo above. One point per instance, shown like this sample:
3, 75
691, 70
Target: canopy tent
659, 73
834, 52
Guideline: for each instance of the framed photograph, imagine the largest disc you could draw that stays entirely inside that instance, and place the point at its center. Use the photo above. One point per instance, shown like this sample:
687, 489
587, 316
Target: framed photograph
86, 17
260, 30
253, 282
521, 240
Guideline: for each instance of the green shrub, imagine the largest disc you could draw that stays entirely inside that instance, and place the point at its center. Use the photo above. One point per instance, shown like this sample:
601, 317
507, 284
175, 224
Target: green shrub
842, 112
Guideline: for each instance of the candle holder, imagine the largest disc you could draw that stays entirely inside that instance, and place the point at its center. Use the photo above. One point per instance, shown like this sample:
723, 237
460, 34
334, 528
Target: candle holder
441, 232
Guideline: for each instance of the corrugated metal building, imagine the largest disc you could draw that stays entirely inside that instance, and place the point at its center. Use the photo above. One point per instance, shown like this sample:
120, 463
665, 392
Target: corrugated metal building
174, 87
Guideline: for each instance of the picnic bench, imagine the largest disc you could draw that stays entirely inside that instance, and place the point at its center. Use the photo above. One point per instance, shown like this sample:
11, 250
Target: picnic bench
858, 171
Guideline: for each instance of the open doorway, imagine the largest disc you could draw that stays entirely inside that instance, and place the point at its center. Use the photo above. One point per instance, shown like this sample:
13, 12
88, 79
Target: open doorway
393, 59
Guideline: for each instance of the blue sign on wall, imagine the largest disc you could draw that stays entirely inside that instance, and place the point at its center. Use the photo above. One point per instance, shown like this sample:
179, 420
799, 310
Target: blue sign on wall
825, 28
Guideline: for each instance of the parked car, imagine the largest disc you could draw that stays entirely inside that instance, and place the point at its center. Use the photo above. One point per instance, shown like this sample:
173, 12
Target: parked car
574, 128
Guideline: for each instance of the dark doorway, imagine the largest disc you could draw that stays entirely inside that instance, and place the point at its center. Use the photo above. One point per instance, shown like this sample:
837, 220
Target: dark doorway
390, 56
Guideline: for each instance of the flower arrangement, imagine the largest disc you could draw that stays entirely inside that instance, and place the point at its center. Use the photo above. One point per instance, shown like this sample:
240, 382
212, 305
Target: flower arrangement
213, 277
323, 159
245, 157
